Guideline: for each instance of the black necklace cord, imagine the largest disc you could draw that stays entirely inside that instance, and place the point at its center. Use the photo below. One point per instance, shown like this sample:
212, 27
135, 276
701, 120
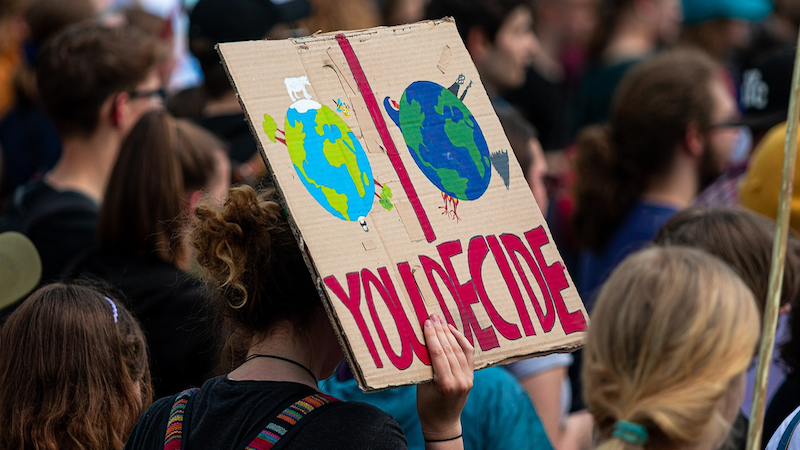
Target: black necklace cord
281, 358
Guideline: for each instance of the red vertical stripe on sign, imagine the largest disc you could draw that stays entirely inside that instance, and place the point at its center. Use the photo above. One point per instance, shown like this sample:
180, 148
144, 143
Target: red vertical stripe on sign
380, 124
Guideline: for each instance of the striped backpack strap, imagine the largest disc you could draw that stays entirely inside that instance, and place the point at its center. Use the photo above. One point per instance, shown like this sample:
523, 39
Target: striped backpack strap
174, 438
288, 420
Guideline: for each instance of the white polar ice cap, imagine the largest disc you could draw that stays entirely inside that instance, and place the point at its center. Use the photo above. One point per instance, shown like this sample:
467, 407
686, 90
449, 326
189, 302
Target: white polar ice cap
303, 105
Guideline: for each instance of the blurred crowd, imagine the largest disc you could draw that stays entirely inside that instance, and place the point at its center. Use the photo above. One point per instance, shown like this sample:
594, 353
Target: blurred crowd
144, 251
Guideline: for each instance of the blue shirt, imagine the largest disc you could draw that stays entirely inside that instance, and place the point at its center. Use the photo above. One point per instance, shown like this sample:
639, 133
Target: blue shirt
498, 414
636, 231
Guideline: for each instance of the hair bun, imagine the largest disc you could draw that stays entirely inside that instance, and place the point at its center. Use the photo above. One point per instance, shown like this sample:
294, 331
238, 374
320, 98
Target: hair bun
228, 238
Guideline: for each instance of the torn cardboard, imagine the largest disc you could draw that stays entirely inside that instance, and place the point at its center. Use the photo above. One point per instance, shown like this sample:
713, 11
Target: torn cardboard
427, 224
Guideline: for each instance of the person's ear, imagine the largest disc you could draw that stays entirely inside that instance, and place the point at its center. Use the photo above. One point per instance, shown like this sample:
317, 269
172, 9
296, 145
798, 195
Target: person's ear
477, 44
194, 197
694, 140
119, 109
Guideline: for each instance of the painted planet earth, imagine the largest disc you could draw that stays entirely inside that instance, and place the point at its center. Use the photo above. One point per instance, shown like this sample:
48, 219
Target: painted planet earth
329, 160
444, 139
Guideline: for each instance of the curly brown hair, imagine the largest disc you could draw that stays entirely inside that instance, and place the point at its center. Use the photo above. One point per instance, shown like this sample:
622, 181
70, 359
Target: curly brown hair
248, 254
73, 371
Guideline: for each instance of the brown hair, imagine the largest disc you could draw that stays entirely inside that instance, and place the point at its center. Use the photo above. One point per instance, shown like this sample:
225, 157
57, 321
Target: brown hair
248, 254
144, 207
672, 328
519, 133
80, 68
741, 239
73, 371
652, 109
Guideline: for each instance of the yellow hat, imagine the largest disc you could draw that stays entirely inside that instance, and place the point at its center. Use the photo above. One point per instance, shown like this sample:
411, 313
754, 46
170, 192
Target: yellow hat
760, 187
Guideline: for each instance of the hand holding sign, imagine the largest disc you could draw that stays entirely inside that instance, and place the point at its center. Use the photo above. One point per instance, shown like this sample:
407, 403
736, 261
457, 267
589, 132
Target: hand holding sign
439, 403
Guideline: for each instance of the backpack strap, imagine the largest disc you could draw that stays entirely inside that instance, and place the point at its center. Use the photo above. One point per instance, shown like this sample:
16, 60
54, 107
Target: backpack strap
174, 438
289, 421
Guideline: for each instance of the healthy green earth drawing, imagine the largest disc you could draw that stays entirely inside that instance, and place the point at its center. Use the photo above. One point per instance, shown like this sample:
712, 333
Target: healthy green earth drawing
328, 158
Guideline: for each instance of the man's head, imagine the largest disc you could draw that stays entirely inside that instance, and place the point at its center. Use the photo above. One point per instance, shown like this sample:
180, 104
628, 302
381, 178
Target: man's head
676, 102
498, 35
669, 126
91, 75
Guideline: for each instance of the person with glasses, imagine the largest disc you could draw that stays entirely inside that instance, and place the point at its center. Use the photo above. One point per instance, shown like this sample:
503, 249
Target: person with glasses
667, 138
657, 151
94, 82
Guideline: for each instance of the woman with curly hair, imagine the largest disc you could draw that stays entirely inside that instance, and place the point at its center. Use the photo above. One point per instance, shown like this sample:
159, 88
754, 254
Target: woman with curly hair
279, 342
73, 372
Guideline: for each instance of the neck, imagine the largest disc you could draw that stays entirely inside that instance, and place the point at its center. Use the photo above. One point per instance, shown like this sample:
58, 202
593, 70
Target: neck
631, 40
678, 187
286, 343
85, 164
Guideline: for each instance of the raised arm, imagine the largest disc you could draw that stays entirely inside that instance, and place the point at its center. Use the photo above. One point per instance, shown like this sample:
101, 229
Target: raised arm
439, 403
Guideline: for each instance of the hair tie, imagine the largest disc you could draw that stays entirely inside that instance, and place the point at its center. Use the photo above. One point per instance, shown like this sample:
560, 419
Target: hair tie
114, 310
632, 433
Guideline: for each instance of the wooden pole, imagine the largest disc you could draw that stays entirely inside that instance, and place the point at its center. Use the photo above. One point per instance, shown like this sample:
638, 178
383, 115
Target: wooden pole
769, 326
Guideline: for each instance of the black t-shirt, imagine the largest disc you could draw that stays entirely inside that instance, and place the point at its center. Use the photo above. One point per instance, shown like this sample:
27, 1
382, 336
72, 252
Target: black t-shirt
228, 415
60, 224
173, 309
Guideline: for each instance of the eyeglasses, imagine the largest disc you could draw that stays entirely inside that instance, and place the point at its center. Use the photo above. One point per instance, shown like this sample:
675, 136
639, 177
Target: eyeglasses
155, 95
733, 121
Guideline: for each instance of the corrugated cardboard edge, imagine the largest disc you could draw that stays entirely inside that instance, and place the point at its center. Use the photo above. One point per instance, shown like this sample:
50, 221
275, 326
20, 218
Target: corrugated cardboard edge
396, 29
317, 279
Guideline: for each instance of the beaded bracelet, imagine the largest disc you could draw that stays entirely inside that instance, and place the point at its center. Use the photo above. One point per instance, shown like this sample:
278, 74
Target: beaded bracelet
442, 440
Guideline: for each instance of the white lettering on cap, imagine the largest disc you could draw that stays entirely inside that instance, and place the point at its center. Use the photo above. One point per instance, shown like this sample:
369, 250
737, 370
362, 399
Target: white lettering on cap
754, 90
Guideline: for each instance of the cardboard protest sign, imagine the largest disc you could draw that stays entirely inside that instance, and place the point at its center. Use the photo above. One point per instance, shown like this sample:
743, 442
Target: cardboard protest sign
406, 197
